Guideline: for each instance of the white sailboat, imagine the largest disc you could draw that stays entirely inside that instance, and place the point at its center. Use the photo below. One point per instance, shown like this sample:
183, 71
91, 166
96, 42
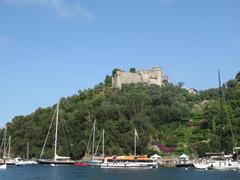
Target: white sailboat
220, 161
93, 159
3, 164
202, 163
19, 161
217, 161
7, 151
57, 160
129, 162
225, 162
27, 160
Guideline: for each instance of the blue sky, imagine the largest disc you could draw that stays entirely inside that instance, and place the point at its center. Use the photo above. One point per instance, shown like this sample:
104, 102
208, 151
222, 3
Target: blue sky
52, 48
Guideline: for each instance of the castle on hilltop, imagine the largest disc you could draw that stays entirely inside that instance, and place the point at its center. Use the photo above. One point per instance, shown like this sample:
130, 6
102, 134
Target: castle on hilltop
153, 76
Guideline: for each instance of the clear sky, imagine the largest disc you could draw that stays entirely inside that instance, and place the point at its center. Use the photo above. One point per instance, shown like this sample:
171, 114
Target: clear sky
52, 48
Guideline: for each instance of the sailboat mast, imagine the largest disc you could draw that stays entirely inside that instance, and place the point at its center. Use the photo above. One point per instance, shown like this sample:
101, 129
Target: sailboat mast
4, 142
93, 143
9, 146
27, 150
135, 142
56, 133
103, 144
221, 113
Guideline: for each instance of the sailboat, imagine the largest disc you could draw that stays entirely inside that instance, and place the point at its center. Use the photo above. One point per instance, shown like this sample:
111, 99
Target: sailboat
7, 151
19, 161
27, 160
129, 162
93, 159
57, 160
3, 164
220, 161
225, 162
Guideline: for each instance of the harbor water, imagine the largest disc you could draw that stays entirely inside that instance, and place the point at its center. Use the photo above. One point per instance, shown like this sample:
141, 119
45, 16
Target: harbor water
46, 172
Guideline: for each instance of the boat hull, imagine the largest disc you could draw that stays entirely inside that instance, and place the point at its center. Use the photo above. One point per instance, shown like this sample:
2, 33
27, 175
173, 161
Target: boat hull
93, 162
10, 161
110, 165
225, 165
184, 165
125, 167
132, 167
50, 161
81, 164
202, 165
22, 163
3, 166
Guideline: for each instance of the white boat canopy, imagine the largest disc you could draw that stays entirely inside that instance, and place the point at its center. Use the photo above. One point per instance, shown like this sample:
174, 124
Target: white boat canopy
184, 156
155, 156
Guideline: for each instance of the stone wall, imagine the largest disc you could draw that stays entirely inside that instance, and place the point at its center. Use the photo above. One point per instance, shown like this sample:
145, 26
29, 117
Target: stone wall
152, 76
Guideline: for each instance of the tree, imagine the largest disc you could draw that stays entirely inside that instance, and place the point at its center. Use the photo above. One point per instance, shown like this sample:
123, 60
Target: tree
108, 81
132, 70
238, 77
115, 71
180, 84
231, 83
202, 148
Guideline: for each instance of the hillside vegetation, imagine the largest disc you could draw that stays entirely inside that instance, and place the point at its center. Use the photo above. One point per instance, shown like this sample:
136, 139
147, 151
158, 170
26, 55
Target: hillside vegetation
168, 115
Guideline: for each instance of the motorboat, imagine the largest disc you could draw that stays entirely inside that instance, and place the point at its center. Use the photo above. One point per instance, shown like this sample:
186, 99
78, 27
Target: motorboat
130, 162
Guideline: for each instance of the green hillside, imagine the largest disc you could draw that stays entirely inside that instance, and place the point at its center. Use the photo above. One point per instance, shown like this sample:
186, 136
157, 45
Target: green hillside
168, 115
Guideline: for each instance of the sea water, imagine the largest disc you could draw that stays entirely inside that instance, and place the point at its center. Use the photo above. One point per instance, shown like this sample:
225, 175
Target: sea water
46, 172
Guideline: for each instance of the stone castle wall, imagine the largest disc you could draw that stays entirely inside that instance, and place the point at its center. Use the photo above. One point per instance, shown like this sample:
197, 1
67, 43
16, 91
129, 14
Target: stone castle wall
152, 76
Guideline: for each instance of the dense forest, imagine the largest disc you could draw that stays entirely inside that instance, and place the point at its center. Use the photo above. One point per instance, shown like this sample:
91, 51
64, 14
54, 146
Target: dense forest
168, 115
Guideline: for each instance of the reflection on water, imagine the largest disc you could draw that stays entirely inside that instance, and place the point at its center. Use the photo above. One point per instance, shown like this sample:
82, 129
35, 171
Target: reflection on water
45, 172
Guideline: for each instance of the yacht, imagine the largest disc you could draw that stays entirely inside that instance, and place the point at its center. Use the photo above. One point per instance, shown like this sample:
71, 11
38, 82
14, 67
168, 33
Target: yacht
220, 161
130, 162
7, 150
202, 163
57, 160
225, 162
93, 159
